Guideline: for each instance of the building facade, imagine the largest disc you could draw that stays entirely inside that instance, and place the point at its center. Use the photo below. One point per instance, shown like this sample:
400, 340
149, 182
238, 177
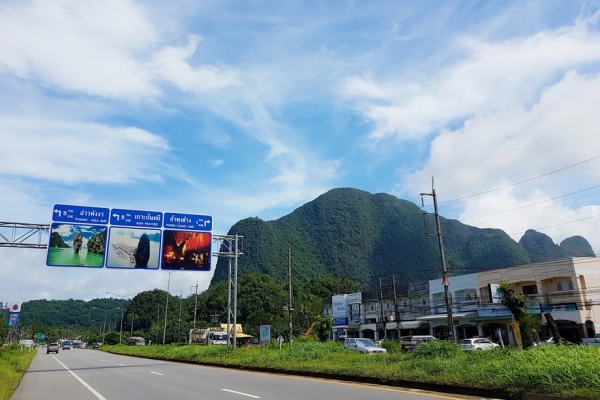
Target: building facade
568, 289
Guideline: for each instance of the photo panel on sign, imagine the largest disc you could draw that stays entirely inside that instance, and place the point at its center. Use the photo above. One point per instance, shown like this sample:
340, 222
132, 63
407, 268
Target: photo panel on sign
133, 248
186, 250
76, 245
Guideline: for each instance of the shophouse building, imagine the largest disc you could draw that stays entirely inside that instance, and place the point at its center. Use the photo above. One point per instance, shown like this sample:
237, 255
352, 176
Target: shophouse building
568, 289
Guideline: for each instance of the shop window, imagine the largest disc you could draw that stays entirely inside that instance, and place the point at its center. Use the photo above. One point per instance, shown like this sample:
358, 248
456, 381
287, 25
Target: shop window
566, 285
530, 289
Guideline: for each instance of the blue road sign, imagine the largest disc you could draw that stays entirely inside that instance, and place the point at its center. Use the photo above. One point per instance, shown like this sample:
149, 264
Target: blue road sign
79, 214
188, 222
141, 219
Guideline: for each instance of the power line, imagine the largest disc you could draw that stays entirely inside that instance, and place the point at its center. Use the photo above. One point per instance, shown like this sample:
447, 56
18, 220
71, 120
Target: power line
508, 151
528, 205
518, 183
520, 147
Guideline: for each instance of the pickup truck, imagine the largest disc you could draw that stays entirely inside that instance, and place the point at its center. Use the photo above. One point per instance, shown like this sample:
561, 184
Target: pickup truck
52, 347
594, 341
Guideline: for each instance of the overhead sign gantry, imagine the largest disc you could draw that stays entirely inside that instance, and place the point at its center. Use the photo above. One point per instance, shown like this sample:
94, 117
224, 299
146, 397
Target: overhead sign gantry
99, 237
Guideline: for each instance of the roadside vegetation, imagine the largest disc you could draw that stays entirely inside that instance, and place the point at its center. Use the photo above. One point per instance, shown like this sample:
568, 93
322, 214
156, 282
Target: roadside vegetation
563, 370
13, 365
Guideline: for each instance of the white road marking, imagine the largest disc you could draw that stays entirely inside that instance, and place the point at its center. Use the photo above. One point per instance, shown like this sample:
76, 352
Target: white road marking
157, 373
88, 387
240, 393
103, 360
122, 365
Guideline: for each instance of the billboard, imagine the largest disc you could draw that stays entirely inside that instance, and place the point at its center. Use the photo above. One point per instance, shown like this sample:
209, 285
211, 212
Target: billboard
265, 334
339, 309
495, 295
15, 306
13, 320
99, 237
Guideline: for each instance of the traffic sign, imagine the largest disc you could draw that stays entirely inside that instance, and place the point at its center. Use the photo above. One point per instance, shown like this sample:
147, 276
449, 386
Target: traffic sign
188, 222
141, 219
80, 214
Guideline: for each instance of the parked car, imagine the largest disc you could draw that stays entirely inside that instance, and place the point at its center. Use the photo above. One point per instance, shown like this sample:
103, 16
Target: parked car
410, 343
477, 344
593, 341
52, 347
95, 345
362, 345
550, 341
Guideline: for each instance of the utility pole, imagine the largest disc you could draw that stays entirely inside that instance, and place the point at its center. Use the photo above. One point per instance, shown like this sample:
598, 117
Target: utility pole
382, 313
396, 306
290, 309
132, 318
445, 281
180, 301
195, 302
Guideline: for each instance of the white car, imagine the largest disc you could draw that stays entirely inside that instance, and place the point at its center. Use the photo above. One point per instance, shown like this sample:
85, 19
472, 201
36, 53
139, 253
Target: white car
477, 344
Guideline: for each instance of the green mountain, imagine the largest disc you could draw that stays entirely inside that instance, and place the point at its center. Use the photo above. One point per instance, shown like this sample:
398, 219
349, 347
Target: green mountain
541, 247
349, 233
577, 246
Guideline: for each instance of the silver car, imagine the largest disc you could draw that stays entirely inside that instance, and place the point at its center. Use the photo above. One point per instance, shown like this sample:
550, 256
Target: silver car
366, 346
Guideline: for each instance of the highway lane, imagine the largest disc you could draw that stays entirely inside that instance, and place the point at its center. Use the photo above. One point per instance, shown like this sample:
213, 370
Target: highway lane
91, 374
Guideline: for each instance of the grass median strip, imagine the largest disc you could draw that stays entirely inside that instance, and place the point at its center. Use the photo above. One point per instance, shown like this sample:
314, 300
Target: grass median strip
570, 371
13, 365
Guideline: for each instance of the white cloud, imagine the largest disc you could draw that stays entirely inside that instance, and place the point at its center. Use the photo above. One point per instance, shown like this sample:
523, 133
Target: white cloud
494, 76
494, 150
169, 64
75, 152
104, 48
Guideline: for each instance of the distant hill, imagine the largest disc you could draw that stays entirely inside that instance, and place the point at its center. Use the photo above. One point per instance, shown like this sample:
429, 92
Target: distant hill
352, 233
541, 247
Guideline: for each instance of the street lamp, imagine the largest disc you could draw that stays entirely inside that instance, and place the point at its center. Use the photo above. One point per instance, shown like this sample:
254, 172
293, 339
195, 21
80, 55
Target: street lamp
105, 311
167, 306
122, 308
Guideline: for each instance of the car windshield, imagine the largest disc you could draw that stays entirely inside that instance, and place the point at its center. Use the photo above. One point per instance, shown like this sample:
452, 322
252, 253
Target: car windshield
220, 337
364, 342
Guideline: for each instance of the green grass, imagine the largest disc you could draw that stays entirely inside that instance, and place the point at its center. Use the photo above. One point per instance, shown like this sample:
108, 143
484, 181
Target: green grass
567, 371
13, 365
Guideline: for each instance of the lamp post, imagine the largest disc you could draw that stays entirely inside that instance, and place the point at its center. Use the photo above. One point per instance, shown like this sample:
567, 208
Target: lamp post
122, 308
167, 306
105, 311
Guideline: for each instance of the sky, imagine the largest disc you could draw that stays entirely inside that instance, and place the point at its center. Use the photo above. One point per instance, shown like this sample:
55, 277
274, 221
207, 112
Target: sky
251, 109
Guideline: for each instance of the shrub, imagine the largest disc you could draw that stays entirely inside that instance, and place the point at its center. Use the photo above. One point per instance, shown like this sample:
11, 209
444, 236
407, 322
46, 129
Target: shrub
438, 348
391, 346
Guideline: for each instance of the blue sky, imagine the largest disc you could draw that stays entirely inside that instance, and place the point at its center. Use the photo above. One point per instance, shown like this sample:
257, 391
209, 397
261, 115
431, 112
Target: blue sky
242, 109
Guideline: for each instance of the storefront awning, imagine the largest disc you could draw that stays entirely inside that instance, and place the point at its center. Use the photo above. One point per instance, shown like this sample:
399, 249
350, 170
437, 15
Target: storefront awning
409, 325
504, 317
445, 316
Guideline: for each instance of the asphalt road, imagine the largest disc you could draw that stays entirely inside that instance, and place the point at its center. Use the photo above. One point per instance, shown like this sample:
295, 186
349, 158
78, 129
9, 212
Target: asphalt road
86, 374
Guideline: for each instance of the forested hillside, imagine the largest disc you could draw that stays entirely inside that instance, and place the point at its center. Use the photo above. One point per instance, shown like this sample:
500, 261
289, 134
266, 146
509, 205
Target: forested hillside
352, 233
261, 301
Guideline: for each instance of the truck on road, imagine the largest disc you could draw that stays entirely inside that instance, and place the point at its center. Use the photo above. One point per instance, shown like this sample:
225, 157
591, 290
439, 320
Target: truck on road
211, 336
52, 348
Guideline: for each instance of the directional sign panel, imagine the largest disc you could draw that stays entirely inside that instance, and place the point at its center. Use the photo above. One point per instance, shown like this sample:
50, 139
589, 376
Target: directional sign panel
140, 219
80, 214
188, 222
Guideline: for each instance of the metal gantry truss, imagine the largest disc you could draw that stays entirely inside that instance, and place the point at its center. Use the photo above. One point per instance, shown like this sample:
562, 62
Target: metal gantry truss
30, 236
229, 248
